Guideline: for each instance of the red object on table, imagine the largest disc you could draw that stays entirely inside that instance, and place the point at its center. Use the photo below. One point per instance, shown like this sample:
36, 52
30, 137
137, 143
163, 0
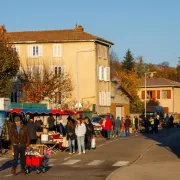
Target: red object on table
55, 136
34, 160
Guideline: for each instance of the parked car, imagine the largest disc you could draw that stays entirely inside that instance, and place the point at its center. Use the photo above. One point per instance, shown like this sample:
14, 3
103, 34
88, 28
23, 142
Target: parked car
106, 115
96, 121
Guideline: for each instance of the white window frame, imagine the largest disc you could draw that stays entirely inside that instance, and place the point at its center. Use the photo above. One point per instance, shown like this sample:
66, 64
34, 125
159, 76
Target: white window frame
105, 74
35, 51
57, 50
17, 49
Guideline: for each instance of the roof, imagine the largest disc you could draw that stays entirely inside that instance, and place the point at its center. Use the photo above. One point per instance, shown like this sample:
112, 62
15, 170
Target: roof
160, 82
76, 34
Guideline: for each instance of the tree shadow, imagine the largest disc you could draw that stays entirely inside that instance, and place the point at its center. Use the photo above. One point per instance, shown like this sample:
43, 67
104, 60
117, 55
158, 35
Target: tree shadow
168, 138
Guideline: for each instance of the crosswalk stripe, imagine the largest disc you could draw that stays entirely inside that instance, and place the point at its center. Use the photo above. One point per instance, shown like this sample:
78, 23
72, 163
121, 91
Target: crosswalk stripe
121, 163
95, 163
71, 162
2, 159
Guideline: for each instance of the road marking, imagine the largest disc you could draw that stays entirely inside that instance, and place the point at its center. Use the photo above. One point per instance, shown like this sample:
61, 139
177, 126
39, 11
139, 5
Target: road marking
109, 142
95, 163
121, 163
67, 158
51, 160
50, 165
8, 175
71, 162
2, 159
101, 145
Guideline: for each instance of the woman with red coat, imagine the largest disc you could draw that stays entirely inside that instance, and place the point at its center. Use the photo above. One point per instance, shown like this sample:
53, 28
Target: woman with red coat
108, 127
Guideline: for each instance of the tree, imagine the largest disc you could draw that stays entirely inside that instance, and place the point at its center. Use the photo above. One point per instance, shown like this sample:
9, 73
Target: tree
140, 67
164, 64
9, 65
128, 63
40, 83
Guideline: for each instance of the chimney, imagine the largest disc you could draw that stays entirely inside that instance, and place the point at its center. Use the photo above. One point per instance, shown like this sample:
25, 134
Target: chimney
79, 28
2, 29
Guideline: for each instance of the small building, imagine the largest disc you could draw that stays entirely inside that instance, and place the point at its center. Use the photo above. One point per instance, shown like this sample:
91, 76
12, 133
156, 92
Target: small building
166, 91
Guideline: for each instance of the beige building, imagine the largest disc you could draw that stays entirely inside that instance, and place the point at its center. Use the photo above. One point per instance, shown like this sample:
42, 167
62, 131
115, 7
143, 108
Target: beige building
167, 92
84, 56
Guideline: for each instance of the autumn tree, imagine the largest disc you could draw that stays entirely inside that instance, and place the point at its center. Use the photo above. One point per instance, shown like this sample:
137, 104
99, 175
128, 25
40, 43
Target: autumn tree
40, 83
9, 65
140, 67
128, 64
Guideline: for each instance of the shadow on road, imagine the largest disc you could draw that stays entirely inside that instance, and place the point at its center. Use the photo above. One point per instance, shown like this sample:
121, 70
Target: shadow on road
168, 138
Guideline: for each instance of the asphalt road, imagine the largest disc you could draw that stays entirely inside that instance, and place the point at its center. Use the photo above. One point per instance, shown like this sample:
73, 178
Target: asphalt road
95, 164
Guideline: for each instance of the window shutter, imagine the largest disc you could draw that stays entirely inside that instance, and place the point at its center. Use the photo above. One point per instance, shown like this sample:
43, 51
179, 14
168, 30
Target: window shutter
18, 50
100, 98
105, 52
60, 50
29, 50
169, 94
99, 50
105, 99
158, 94
40, 50
108, 94
105, 74
63, 69
100, 73
54, 50
108, 73
154, 94
142, 94
102, 94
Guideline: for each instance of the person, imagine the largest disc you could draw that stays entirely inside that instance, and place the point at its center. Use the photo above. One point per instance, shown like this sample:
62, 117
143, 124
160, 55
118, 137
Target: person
122, 125
20, 140
171, 120
80, 132
127, 125
89, 133
117, 126
108, 127
2, 150
136, 124
39, 124
166, 120
51, 122
32, 129
70, 129
151, 124
103, 127
156, 123
60, 126
5, 133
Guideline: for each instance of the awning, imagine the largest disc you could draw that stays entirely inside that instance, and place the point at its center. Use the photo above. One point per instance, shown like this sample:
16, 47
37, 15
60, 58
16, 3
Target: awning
18, 111
65, 112
38, 111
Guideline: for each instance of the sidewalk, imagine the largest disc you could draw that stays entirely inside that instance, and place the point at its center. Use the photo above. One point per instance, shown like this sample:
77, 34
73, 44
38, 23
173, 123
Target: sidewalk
150, 171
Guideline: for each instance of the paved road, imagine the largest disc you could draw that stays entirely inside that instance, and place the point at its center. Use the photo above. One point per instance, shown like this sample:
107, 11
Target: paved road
95, 164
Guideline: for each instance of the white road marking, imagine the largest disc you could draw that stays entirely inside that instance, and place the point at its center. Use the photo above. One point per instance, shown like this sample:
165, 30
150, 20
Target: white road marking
71, 162
121, 163
51, 160
67, 158
101, 145
2, 159
50, 165
109, 142
95, 163
8, 175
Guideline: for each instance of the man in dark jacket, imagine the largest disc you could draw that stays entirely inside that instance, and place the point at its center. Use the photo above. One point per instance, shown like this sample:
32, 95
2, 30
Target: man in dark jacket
51, 121
20, 140
89, 133
32, 129
127, 125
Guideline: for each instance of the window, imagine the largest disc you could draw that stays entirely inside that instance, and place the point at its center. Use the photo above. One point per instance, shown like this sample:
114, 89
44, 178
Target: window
58, 70
57, 52
17, 49
166, 94
105, 98
34, 51
105, 52
99, 50
151, 94
106, 74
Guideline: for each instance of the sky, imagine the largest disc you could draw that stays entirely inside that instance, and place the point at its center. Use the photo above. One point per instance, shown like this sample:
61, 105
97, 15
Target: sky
149, 28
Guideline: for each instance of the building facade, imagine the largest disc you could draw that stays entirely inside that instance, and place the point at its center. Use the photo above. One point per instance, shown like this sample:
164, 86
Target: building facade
82, 55
165, 91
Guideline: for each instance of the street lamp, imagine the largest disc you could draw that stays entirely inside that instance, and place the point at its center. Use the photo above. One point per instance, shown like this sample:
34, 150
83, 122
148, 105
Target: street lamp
151, 74
78, 104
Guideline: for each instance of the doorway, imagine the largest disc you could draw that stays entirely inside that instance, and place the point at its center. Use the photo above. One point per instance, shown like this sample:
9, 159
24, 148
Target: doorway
118, 112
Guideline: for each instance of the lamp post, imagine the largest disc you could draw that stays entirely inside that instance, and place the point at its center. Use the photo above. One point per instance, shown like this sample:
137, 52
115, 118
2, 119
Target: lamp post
145, 107
78, 104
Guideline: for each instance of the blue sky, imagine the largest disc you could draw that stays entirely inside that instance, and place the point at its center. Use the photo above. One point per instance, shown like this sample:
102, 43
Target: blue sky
150, 28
